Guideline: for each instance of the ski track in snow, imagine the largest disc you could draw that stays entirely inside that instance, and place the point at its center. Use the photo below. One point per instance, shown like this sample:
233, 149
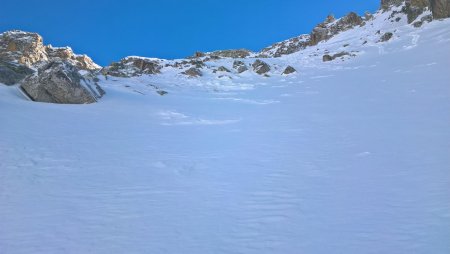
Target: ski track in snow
343, 157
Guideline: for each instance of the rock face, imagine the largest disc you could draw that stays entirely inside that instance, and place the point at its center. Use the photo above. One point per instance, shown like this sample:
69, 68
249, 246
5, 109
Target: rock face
331, 27
61, 82
260, 67
28, 49
12, 73
22, 48
386, 4
440, 8
289, 70
133, 66
414, 8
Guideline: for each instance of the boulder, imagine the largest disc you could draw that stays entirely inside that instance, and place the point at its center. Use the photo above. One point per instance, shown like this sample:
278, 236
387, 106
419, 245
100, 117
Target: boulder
260, 67
13, 73
419, 23
223, 69
193, 72
289, 70
239, 66
386, 37
60, 82
327, 58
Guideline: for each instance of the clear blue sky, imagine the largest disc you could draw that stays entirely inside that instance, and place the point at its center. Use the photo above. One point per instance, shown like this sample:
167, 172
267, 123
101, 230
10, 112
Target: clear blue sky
109, 30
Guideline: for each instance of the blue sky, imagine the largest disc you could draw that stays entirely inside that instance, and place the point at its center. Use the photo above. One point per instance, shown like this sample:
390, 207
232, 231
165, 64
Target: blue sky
110, 30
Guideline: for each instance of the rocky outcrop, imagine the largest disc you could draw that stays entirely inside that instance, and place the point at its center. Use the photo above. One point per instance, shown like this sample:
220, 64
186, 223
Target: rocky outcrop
22, 48
286, 47
440, 8
414, 8
289, 70
66, 54
133, 66
260, 67
13, 73
28, 49
233, 53
222, 69
61, 82
386, 37
240, 66
386, 4
331, 27
327, 58
192, 72
427, 18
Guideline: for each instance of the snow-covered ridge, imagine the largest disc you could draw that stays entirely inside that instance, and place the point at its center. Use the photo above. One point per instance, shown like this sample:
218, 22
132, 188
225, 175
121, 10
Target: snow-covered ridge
382, 26
332, 40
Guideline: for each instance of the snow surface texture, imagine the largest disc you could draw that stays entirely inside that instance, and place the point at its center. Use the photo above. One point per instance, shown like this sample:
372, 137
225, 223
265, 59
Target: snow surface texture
343, 157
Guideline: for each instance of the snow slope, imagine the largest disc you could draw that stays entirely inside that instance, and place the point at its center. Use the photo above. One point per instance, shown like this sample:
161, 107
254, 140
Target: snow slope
344, 157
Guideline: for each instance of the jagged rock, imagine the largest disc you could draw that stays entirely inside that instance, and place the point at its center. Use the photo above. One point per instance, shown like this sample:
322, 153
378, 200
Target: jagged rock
13, 73
28, 49
326, 30
239, 66
386, 4
286, 47
232, 53
22, 47
330, 19
61, 82
386, 37
199, 54
192, 72
260, 67
289, 70
414, 8
66, 53
319, 33
368, 16
133, 66
440, 8
327, 58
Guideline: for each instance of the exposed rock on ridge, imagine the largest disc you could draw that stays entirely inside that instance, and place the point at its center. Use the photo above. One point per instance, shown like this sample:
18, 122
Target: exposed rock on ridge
28, 49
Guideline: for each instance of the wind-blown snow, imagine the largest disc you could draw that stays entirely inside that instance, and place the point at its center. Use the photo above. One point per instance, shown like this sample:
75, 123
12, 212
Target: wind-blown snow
344, 157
